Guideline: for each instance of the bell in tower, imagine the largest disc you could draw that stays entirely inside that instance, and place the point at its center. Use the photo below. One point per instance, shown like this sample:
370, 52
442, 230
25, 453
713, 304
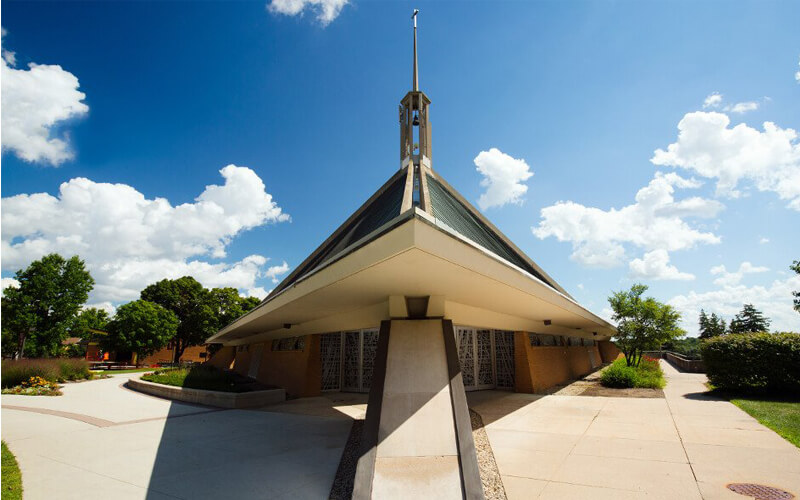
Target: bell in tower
415, 125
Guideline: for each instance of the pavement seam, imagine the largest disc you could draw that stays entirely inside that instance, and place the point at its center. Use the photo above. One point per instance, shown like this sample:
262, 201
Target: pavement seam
99, 422
582, 435
574, 484
683, 446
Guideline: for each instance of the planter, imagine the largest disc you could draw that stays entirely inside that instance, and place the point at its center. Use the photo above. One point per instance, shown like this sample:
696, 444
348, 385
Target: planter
219, 399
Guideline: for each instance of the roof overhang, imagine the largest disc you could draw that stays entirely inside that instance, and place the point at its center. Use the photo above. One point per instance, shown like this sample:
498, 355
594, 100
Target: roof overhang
414, 255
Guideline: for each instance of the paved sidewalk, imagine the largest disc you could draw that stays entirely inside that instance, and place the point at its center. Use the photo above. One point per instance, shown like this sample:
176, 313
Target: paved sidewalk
687, 446
102, 440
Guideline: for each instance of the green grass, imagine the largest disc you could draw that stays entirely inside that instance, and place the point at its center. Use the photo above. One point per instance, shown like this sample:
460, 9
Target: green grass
782, 417
12, 477
647, 375
132, 370
195, 377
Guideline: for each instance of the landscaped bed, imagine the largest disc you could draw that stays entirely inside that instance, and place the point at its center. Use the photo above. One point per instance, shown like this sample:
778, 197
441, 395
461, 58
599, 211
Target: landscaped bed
40, 377
648, 375
204, 377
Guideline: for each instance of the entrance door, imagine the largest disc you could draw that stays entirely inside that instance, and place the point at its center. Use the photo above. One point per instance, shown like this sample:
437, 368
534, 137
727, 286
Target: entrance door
359, 360
330, 345
475, 349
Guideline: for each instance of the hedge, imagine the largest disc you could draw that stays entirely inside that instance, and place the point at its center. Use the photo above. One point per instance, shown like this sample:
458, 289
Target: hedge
754, 362
14, 372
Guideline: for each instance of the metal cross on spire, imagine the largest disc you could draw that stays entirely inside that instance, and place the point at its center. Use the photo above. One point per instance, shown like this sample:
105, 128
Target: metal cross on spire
416, 75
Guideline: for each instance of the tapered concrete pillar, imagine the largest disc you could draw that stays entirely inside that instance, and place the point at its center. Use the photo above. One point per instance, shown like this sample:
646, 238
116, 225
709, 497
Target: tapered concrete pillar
417, 440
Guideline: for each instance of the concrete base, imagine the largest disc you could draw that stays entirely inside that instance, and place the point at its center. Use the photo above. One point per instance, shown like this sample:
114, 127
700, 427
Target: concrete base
219, 399
413, 447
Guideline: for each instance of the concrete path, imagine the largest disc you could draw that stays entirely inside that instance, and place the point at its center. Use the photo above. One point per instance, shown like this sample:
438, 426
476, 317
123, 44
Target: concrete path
102, 440
687, 446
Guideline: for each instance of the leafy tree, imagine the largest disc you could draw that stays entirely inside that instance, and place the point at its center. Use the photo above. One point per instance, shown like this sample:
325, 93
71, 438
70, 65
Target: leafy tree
703, 324
38, 314
229, 305
141, 327
642, 323
89, 318
193, 306
749, 320
796, 268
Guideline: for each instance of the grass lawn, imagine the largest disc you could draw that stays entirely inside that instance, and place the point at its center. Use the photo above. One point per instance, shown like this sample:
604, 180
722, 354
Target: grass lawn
782, 417
12, 477
132, 370
196, 377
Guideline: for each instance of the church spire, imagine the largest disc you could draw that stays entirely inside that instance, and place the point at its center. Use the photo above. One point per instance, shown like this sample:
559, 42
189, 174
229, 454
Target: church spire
415, 83
415, 127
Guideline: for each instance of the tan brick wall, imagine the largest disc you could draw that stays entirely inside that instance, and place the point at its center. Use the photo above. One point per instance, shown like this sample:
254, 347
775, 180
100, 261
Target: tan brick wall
578, 360
191, 353
299, 372
241, 360
608, 351
223, 358
538, 368
522, 371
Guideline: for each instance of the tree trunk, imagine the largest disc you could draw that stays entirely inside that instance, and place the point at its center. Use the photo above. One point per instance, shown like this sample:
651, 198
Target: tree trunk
179, 348
21, 345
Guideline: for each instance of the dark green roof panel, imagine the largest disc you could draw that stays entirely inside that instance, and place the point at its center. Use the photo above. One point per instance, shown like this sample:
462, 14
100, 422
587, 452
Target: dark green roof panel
452, 212
383, 209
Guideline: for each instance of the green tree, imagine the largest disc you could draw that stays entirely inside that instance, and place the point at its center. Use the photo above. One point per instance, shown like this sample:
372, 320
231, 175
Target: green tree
716, 326
193, 306
229, 305
703, 324
91, 318
796, 268
642, 323
749, 320
38, 314
141, 327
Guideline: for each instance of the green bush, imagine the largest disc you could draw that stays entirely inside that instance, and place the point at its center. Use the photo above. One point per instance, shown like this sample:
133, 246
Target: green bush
619, 375
647, 375
754, 362
14, 372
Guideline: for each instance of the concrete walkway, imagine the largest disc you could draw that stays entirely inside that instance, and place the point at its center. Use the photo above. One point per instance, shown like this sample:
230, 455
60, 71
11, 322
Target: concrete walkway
687, 446
102, 440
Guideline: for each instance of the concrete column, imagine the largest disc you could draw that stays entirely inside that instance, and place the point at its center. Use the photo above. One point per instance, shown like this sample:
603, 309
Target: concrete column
414, 442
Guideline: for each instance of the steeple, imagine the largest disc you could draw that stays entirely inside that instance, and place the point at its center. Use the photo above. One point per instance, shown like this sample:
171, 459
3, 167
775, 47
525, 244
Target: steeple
415, 127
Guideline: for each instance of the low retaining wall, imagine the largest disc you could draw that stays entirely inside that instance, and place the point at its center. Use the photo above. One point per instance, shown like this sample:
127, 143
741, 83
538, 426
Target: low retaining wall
685, 364
236, 400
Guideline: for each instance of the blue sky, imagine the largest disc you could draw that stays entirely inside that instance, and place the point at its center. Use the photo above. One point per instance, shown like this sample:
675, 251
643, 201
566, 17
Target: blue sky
579, 94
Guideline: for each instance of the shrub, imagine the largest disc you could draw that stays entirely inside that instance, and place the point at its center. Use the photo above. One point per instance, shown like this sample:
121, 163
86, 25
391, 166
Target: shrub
619, 375
14, 372
196, 377
754, 362
647, 375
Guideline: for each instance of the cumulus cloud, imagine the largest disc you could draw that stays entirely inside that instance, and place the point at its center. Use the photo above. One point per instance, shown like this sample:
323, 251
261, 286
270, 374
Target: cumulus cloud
713, 100
325, 10
741, 107
735, 277
503, 178
129, 241
763, 241
656, 221
7, 282
274, 271
774, 300
35, 101
655, 266
709, 147
797, 74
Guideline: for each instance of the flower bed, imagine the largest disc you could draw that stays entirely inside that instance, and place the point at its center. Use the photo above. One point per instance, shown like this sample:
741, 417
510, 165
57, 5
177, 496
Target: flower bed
35, 386
15, 372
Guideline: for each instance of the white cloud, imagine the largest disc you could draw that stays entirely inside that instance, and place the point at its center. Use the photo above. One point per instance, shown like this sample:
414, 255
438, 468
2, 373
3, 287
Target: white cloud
326, 10
741, 107
108, 307
709, 147
775, 301
580, 286
713, 100
797, 74
763, 241
734, 278
8, 282
129, 241
258, 292
655, 221
34, 102
655, 265
274, 271
503, 178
